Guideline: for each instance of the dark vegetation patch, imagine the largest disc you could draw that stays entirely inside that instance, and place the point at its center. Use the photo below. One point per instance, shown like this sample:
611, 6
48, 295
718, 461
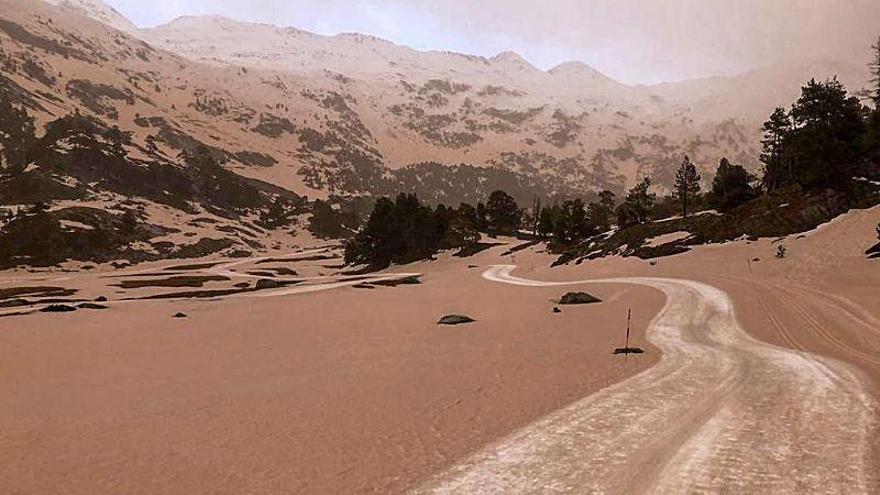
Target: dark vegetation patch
206, 294
396, 282
203, 247
762, 217
25, 37
514, 117
473, 248
564, 129
92, 306
273, 126
491, 90
253, 158
35, 186
874, 251
35, 70
97, 97
180, 281
283, 271
521, 247
437, 183
14, 303
316, 257
444, 86
11, 292
38, 238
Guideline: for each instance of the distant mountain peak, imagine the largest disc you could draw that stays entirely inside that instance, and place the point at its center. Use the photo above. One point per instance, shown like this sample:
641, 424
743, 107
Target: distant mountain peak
578, 69
98, 10
510, 58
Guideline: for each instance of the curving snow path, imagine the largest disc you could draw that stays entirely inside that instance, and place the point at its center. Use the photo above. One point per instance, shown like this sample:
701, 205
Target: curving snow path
720, 413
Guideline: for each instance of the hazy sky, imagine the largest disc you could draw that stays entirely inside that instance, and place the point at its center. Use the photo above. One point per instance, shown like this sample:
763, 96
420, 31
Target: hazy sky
635, 41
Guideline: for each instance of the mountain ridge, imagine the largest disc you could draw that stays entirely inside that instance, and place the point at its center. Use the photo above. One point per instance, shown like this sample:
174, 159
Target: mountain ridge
338, 114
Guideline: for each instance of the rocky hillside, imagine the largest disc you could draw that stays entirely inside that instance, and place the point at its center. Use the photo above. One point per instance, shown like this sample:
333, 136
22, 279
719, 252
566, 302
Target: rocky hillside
356, 115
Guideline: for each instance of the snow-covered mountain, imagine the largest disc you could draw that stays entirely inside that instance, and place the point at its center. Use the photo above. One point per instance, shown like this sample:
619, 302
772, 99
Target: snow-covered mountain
351, 114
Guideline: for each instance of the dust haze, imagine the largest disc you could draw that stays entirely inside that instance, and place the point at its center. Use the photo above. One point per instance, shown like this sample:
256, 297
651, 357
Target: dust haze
634, 41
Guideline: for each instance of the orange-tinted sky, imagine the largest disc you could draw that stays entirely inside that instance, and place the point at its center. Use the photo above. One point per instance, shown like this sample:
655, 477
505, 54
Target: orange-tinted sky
635, 41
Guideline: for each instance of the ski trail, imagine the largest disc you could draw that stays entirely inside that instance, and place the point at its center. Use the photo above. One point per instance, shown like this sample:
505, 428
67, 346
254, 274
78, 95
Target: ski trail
720, 413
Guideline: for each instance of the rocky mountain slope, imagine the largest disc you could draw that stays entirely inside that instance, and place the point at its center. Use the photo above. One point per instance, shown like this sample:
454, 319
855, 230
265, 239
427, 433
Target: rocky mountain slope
356, 115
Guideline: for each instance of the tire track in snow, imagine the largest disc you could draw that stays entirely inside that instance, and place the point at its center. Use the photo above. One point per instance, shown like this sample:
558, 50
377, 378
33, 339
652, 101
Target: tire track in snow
721, 412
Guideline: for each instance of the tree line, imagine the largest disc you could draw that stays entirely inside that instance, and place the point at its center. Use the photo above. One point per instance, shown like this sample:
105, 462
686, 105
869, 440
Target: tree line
821, 142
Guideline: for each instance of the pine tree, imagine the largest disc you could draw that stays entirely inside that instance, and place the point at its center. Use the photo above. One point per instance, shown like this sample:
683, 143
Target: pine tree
502, 213
777, 169
731, 186
545, 222
600, 212
875, 74
687, 184
829, 134
873, 140
536, 215
638, 205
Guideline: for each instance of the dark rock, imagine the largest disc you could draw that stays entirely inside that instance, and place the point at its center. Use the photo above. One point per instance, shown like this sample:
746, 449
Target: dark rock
243, 285
58, 308
455, 320
265, 283
557, 310
364, 286
579, 298
101, 299
92, 306
179, 315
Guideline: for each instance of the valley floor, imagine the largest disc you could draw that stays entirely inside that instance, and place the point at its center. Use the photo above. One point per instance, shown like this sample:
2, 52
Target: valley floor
340, 384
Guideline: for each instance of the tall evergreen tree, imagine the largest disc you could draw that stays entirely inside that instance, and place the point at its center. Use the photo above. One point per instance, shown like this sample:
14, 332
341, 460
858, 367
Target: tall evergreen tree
828, 134
502, 213
602, 211
638, 205
546, 221
687, 184
731, 186
874, 122
466, 223
577, 223
777, 165
874, 66
536, 215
